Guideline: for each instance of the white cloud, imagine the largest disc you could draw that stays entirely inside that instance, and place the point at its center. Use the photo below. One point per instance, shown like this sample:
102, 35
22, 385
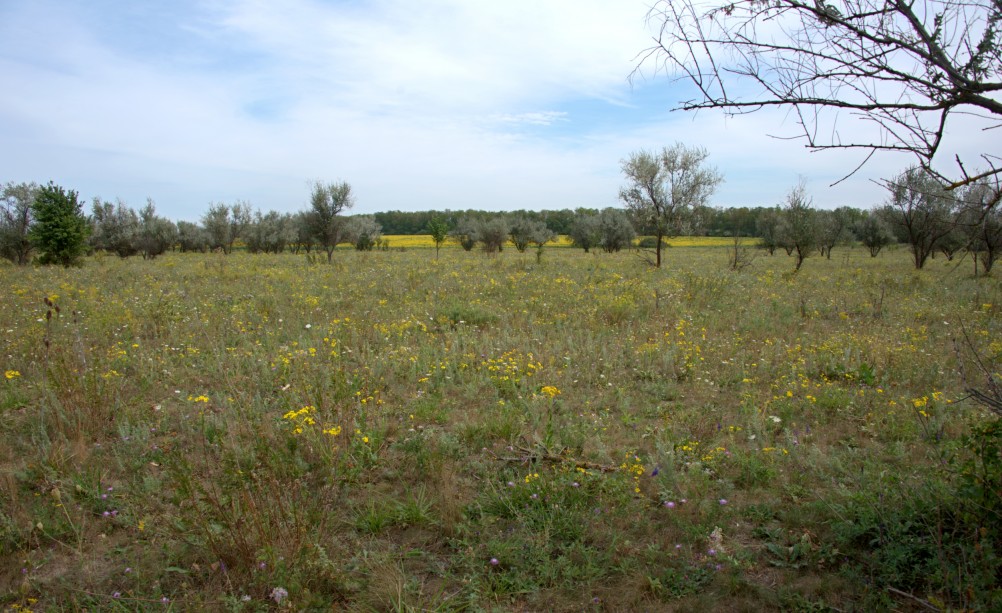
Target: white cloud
538, 118
439, 104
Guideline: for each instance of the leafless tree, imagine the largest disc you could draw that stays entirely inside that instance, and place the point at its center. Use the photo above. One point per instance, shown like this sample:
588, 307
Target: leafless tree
906, 66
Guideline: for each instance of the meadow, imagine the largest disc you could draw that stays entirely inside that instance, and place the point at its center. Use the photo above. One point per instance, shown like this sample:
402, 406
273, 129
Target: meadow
577, 432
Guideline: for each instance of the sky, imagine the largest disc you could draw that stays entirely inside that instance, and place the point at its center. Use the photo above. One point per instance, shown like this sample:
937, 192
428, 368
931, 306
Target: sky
432, 105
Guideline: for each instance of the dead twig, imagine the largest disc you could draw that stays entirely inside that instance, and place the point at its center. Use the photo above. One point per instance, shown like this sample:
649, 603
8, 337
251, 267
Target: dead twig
991, 396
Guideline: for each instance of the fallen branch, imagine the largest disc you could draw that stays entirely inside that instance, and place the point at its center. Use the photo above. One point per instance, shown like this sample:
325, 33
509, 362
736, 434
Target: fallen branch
530, 456
928, 605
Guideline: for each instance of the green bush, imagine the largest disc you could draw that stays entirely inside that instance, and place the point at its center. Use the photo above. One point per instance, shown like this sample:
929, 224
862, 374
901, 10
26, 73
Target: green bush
60, 229
650, 242
936, 539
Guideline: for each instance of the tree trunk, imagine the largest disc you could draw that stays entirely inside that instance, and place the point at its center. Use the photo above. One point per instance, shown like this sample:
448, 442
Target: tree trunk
800, 259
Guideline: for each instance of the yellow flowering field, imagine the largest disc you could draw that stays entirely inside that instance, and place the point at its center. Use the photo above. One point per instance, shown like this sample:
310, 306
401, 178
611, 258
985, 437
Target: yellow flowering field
704, 241
568, 432
410, 241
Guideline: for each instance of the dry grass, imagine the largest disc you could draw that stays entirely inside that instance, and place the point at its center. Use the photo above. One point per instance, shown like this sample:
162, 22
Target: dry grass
473, 432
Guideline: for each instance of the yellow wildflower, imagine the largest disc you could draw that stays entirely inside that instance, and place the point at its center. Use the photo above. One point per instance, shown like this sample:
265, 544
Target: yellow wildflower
550, 391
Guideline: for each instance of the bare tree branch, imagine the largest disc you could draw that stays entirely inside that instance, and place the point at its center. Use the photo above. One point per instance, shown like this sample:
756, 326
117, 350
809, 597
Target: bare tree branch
905, 66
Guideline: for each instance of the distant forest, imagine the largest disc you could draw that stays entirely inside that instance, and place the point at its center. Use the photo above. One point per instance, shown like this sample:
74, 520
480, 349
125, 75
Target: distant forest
706, 221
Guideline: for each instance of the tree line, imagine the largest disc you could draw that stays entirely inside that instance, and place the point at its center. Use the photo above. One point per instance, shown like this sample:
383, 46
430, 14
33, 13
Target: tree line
920, 212
665, 195
712, 220
49, 222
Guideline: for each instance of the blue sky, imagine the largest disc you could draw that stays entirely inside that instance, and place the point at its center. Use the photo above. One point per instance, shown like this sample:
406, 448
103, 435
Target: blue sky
419, 105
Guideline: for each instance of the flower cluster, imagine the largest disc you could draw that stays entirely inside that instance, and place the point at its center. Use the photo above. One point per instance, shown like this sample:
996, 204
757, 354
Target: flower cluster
549, 391
634, 467
301, 418
512, 367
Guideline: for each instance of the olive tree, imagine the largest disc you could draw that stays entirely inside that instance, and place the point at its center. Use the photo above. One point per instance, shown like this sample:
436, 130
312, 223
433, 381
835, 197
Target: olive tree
956, 240
328, 202
156, 234
832, 229
216, 223
767, 227
585, 231
981, 225
191, 237
114, 228
921, 211
302, 222
466, 232
798, 228
240, 221
540, 237
524, 232
663, 187
609, 230
363, 232
615, 231
270, 232
225, 224
873, 233
15, 221
492, 234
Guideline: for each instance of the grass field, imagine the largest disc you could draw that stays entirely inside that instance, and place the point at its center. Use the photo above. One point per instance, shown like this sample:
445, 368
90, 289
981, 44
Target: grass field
395, 432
